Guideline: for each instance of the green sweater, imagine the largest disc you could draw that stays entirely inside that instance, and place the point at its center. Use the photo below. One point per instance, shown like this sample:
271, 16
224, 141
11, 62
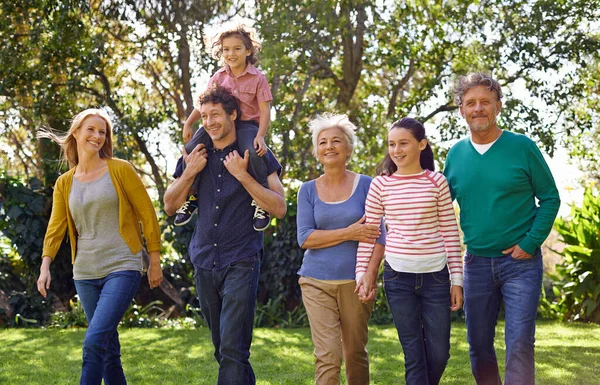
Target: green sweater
496, 193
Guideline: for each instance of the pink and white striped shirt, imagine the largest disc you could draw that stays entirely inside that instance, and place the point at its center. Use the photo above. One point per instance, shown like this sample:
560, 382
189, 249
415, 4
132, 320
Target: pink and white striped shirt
422, 232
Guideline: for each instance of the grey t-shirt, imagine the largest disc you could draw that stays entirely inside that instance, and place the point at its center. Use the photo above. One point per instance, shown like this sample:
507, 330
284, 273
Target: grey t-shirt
101, 249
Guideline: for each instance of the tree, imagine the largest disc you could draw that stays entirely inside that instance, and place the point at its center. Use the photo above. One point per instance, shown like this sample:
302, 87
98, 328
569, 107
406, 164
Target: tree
61, 57
382, 61
582, 123
375, 61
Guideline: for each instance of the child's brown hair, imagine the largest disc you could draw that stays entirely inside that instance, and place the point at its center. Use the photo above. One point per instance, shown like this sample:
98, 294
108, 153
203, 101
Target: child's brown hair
246, 34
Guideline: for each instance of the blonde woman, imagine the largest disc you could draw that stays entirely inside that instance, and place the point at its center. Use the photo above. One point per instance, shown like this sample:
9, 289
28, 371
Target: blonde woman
100, 202
330, 220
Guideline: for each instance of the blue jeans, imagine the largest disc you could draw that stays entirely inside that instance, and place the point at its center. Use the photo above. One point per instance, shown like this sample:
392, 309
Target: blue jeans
104, 301
420, 305
245, 131
227, 301
488, 282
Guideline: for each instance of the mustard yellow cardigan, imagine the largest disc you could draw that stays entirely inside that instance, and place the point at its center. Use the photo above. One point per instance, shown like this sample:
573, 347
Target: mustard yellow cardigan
135, 206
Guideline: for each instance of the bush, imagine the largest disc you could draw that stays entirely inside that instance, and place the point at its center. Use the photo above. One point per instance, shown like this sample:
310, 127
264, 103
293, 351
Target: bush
282, 260
29, 310
75, 317
24, 213
576, 290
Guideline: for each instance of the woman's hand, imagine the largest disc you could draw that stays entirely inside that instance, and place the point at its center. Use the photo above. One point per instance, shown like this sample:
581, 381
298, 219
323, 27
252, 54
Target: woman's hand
43, 282
366, 288
155, 275
456, 297
359, 231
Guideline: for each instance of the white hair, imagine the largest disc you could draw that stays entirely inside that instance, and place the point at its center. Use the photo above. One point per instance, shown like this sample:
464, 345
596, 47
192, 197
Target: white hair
329, 120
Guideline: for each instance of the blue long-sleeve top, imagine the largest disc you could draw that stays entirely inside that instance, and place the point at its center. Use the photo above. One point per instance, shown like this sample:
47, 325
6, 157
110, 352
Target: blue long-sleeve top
335, 262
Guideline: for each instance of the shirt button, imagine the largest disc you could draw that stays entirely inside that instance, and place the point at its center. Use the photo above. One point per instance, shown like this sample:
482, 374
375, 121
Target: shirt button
219, 175
221, 159
218, 190
215, 245
217, 207
215, 225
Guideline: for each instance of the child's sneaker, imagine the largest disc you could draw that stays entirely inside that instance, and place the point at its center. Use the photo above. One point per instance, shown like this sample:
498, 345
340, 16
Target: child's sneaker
187, 211
261, 219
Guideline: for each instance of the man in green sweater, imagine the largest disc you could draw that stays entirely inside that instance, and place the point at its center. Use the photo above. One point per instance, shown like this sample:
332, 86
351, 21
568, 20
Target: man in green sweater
496, 177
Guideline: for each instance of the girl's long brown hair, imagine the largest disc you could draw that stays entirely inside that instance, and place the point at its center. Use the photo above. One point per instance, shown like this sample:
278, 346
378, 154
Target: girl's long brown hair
416, 128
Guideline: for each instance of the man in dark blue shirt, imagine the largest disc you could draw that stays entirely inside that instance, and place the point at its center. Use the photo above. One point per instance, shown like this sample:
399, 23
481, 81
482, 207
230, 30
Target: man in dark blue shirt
225, 249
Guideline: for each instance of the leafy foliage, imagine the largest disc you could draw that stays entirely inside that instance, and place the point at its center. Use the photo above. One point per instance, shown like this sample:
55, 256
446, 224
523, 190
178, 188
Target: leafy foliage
275, 313
376, 61
577, 286
74, 318
28, 310
24, 213
282, 258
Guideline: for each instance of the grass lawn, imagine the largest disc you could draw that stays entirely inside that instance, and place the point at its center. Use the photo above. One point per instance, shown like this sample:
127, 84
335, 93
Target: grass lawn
565, 354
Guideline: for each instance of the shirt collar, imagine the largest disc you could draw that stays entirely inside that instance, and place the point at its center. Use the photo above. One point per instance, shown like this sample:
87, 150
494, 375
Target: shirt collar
250, 69
225, 150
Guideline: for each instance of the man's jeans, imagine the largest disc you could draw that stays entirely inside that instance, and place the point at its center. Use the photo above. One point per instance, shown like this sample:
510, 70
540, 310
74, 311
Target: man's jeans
488, 282
227, 301
420, 305
104, 302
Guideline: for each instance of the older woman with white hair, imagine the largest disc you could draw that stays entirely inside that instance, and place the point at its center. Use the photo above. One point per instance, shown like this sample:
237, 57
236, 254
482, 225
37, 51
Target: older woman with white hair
331, 223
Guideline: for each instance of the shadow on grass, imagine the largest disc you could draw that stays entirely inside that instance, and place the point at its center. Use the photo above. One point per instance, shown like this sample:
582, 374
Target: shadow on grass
566, 354
40, 357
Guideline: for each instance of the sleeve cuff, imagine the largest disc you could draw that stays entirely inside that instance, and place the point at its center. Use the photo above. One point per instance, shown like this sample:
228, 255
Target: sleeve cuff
153, 246
528, 245
359, 275
457, 281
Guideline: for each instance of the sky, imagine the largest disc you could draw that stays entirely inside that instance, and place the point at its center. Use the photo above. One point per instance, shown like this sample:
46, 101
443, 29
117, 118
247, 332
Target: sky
567, 178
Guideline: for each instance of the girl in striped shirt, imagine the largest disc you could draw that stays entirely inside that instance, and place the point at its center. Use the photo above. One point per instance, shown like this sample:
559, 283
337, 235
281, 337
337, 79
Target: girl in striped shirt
423, 268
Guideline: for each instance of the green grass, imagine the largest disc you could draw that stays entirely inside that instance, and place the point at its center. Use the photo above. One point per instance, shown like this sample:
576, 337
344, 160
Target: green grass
565, 354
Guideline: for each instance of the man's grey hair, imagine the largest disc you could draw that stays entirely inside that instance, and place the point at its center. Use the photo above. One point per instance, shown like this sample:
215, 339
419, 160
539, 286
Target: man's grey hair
474, 79
329, 120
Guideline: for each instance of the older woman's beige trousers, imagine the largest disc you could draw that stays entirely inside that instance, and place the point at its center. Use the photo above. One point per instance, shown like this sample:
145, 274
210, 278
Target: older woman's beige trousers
338, 324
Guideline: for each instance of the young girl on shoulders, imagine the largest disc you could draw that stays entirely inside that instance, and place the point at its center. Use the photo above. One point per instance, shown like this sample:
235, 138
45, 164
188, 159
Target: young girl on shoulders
238, 49
423, 268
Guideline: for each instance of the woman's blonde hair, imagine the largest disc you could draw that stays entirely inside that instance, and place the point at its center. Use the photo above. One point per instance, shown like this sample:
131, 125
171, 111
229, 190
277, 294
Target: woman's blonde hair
67, 141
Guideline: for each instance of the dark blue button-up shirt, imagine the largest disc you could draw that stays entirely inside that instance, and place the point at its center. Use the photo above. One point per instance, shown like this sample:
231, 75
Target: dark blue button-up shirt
224, 231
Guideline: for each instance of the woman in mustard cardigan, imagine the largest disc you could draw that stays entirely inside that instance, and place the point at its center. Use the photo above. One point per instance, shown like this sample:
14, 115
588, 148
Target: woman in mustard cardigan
100, 202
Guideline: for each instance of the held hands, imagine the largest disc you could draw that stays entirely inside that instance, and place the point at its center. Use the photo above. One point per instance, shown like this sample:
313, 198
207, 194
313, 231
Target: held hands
359, 231
196, 160
235, 164
366, 288
260, 145
187, 133
456, 298
517, 253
